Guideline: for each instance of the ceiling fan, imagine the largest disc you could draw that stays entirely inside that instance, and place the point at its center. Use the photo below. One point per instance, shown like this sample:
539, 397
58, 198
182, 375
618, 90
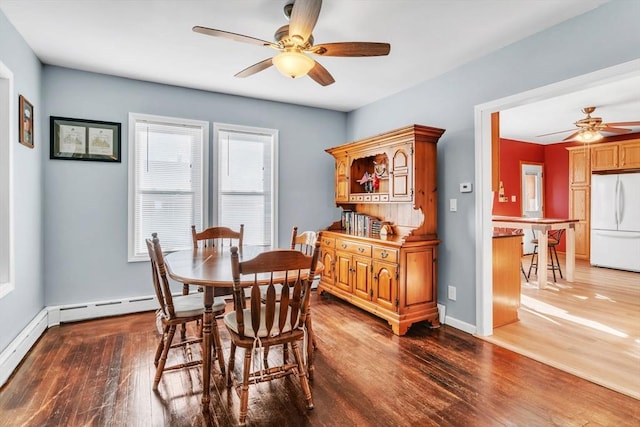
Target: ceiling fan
590, 128
295, 42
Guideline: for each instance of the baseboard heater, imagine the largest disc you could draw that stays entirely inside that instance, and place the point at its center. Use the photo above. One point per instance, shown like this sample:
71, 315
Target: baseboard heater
86, 311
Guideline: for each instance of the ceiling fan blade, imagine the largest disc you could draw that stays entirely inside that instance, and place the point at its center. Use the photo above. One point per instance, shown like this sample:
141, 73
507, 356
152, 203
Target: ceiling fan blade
554, 133
351, 49
231, 36
573, 135
321, 75
615, 130
304, 16
623, 124
255, 68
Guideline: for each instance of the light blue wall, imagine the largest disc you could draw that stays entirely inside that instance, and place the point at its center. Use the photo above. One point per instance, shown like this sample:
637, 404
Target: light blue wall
86, 202
607, 36
19, 307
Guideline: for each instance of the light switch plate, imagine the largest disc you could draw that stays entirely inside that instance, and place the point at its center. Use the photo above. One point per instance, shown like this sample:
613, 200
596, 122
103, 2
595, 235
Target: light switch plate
453, 205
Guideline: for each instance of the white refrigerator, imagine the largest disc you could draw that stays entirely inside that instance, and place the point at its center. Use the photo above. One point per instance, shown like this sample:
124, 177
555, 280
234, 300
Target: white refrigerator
615, 221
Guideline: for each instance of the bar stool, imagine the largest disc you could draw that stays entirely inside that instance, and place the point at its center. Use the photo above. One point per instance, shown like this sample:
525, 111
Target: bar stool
554, 264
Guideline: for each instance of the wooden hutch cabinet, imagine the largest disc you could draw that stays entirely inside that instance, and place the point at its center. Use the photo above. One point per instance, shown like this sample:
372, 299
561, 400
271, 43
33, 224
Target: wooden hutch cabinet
392, 276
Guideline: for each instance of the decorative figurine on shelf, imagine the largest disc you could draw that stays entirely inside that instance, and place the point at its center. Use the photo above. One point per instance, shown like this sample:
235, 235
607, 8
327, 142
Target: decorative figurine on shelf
367, 182
379, 169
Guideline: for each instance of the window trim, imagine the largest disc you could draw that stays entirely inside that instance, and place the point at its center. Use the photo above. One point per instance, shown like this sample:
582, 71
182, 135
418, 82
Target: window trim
274, 134
133, 118
7, 131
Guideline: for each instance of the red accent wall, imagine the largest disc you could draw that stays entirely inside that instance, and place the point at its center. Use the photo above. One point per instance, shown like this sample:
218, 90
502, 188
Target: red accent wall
511, 154
555, 159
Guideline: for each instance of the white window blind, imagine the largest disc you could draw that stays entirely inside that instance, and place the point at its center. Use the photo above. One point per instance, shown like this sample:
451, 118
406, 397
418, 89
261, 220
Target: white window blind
167, 177
247, 181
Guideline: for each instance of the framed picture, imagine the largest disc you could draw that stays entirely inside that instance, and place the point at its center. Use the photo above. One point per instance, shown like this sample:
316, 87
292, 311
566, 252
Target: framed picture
78, 139
26, 122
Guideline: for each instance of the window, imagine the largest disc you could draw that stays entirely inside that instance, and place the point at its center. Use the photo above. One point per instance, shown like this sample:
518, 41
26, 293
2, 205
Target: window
167, 181
247, 181
7, 272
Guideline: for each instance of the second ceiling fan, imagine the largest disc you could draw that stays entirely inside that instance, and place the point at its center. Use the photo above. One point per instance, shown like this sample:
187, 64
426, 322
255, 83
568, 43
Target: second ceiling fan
295, 42
589, 128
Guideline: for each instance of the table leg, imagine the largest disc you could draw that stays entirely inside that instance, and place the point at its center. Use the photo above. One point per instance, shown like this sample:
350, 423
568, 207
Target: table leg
571, 252
206, 346
543, 252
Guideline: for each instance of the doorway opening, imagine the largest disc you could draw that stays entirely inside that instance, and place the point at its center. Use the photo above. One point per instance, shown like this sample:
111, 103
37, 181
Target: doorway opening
532, 198
484, 197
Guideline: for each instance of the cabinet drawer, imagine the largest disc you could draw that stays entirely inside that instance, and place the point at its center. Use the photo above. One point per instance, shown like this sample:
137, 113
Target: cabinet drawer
353, 247
385, 254
328, 242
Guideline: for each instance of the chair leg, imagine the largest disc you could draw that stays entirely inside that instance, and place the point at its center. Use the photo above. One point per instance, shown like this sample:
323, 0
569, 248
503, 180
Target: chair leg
160, 347
553, 267
304, 382
232, 364
218, 344
558, 262
163, 358
533, 260
311, 346
523, 272
244, 390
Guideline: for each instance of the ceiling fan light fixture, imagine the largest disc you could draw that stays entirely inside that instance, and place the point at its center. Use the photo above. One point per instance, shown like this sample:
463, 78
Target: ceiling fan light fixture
589, 135
293, 64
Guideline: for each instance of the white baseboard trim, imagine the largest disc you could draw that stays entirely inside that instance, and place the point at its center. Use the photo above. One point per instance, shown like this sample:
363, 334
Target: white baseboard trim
459, 324
11, 357
50, 316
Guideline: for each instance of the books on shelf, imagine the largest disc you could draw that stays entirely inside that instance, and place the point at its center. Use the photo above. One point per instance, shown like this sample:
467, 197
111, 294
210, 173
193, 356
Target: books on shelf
360, 224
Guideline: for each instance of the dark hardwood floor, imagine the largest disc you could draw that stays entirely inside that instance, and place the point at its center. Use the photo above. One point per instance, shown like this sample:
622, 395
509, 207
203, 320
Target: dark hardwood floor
100, 372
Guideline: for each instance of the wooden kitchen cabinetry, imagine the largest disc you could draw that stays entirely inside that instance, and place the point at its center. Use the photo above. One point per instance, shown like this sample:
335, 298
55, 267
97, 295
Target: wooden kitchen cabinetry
615, 156
393, 276
506, 278
579, 200
585, 159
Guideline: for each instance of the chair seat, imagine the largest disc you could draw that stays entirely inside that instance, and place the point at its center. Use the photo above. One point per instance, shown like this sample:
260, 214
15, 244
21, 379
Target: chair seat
231, 321
193, 305
550, 242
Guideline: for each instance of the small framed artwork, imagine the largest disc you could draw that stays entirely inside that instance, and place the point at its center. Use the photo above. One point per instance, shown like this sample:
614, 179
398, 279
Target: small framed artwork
79, 139
26, 122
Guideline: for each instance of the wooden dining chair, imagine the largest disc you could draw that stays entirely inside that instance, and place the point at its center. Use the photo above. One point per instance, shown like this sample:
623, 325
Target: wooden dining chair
174, 311
304, 242
554, 264
217, 236
272, 322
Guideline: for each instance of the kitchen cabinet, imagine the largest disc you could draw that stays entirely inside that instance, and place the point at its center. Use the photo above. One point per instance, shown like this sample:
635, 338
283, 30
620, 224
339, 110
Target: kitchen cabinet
579, 200
506, 278
392, 276
616, 156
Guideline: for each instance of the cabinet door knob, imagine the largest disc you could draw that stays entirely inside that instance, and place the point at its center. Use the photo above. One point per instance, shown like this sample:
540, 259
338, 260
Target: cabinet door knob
344, 246
360, 250
384, 254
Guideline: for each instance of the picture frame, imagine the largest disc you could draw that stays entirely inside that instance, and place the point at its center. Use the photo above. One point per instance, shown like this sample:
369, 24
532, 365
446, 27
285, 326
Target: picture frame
80, 139
26, 122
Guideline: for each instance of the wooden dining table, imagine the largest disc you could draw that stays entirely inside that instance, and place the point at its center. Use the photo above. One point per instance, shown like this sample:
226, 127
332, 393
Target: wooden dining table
210, 267
543, 225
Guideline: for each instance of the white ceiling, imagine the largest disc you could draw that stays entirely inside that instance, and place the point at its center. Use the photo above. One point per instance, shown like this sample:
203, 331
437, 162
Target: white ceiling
152, 40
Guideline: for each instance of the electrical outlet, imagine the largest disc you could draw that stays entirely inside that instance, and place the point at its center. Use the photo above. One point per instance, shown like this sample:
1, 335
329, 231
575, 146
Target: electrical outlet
452, 293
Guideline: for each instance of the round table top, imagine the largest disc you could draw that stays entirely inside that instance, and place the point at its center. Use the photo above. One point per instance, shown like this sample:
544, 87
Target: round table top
212, 266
